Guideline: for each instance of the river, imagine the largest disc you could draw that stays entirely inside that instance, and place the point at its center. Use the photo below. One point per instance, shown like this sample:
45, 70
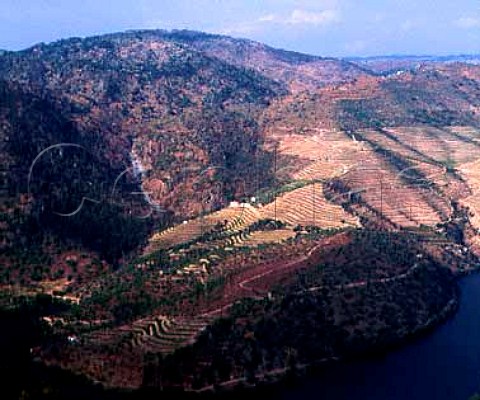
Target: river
444, 365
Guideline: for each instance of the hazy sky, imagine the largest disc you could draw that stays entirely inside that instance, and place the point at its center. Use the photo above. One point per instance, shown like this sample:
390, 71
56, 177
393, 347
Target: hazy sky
323, 27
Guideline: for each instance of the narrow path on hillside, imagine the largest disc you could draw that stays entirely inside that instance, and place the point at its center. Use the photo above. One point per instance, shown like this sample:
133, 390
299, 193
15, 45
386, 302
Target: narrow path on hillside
304, 258
369, 282
242, 285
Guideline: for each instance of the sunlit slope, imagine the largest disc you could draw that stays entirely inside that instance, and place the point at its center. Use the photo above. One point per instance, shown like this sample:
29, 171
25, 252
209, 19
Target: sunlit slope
386, 146
385, 174
447, 145
322, 155
305, 206
308, 206
231, 219
471, 173
381, 192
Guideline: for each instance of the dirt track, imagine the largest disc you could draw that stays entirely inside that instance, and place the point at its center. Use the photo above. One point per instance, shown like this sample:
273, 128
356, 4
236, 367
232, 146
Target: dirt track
241, 284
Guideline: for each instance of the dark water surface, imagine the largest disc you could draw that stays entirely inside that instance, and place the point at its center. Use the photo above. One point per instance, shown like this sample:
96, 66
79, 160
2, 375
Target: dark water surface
444, 365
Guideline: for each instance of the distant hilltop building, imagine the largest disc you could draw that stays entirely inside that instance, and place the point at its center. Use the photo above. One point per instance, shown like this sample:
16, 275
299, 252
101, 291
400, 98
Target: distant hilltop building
234, 204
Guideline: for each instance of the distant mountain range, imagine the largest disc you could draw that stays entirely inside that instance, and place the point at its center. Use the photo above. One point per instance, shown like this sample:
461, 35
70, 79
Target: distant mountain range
389, 64
474, 58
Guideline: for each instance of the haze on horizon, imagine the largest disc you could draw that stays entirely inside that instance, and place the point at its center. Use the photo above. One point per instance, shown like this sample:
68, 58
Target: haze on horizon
335, 28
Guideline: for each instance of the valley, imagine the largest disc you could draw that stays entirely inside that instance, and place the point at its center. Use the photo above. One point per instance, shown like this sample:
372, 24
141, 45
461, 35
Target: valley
182, 195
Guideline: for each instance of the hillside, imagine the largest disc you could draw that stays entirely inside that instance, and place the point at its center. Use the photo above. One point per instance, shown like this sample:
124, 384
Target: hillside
147, 116
178, 193
298, 71
361, 136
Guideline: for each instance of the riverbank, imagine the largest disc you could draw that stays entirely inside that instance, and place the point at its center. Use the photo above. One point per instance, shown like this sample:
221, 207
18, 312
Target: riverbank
269, 385
285, 376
